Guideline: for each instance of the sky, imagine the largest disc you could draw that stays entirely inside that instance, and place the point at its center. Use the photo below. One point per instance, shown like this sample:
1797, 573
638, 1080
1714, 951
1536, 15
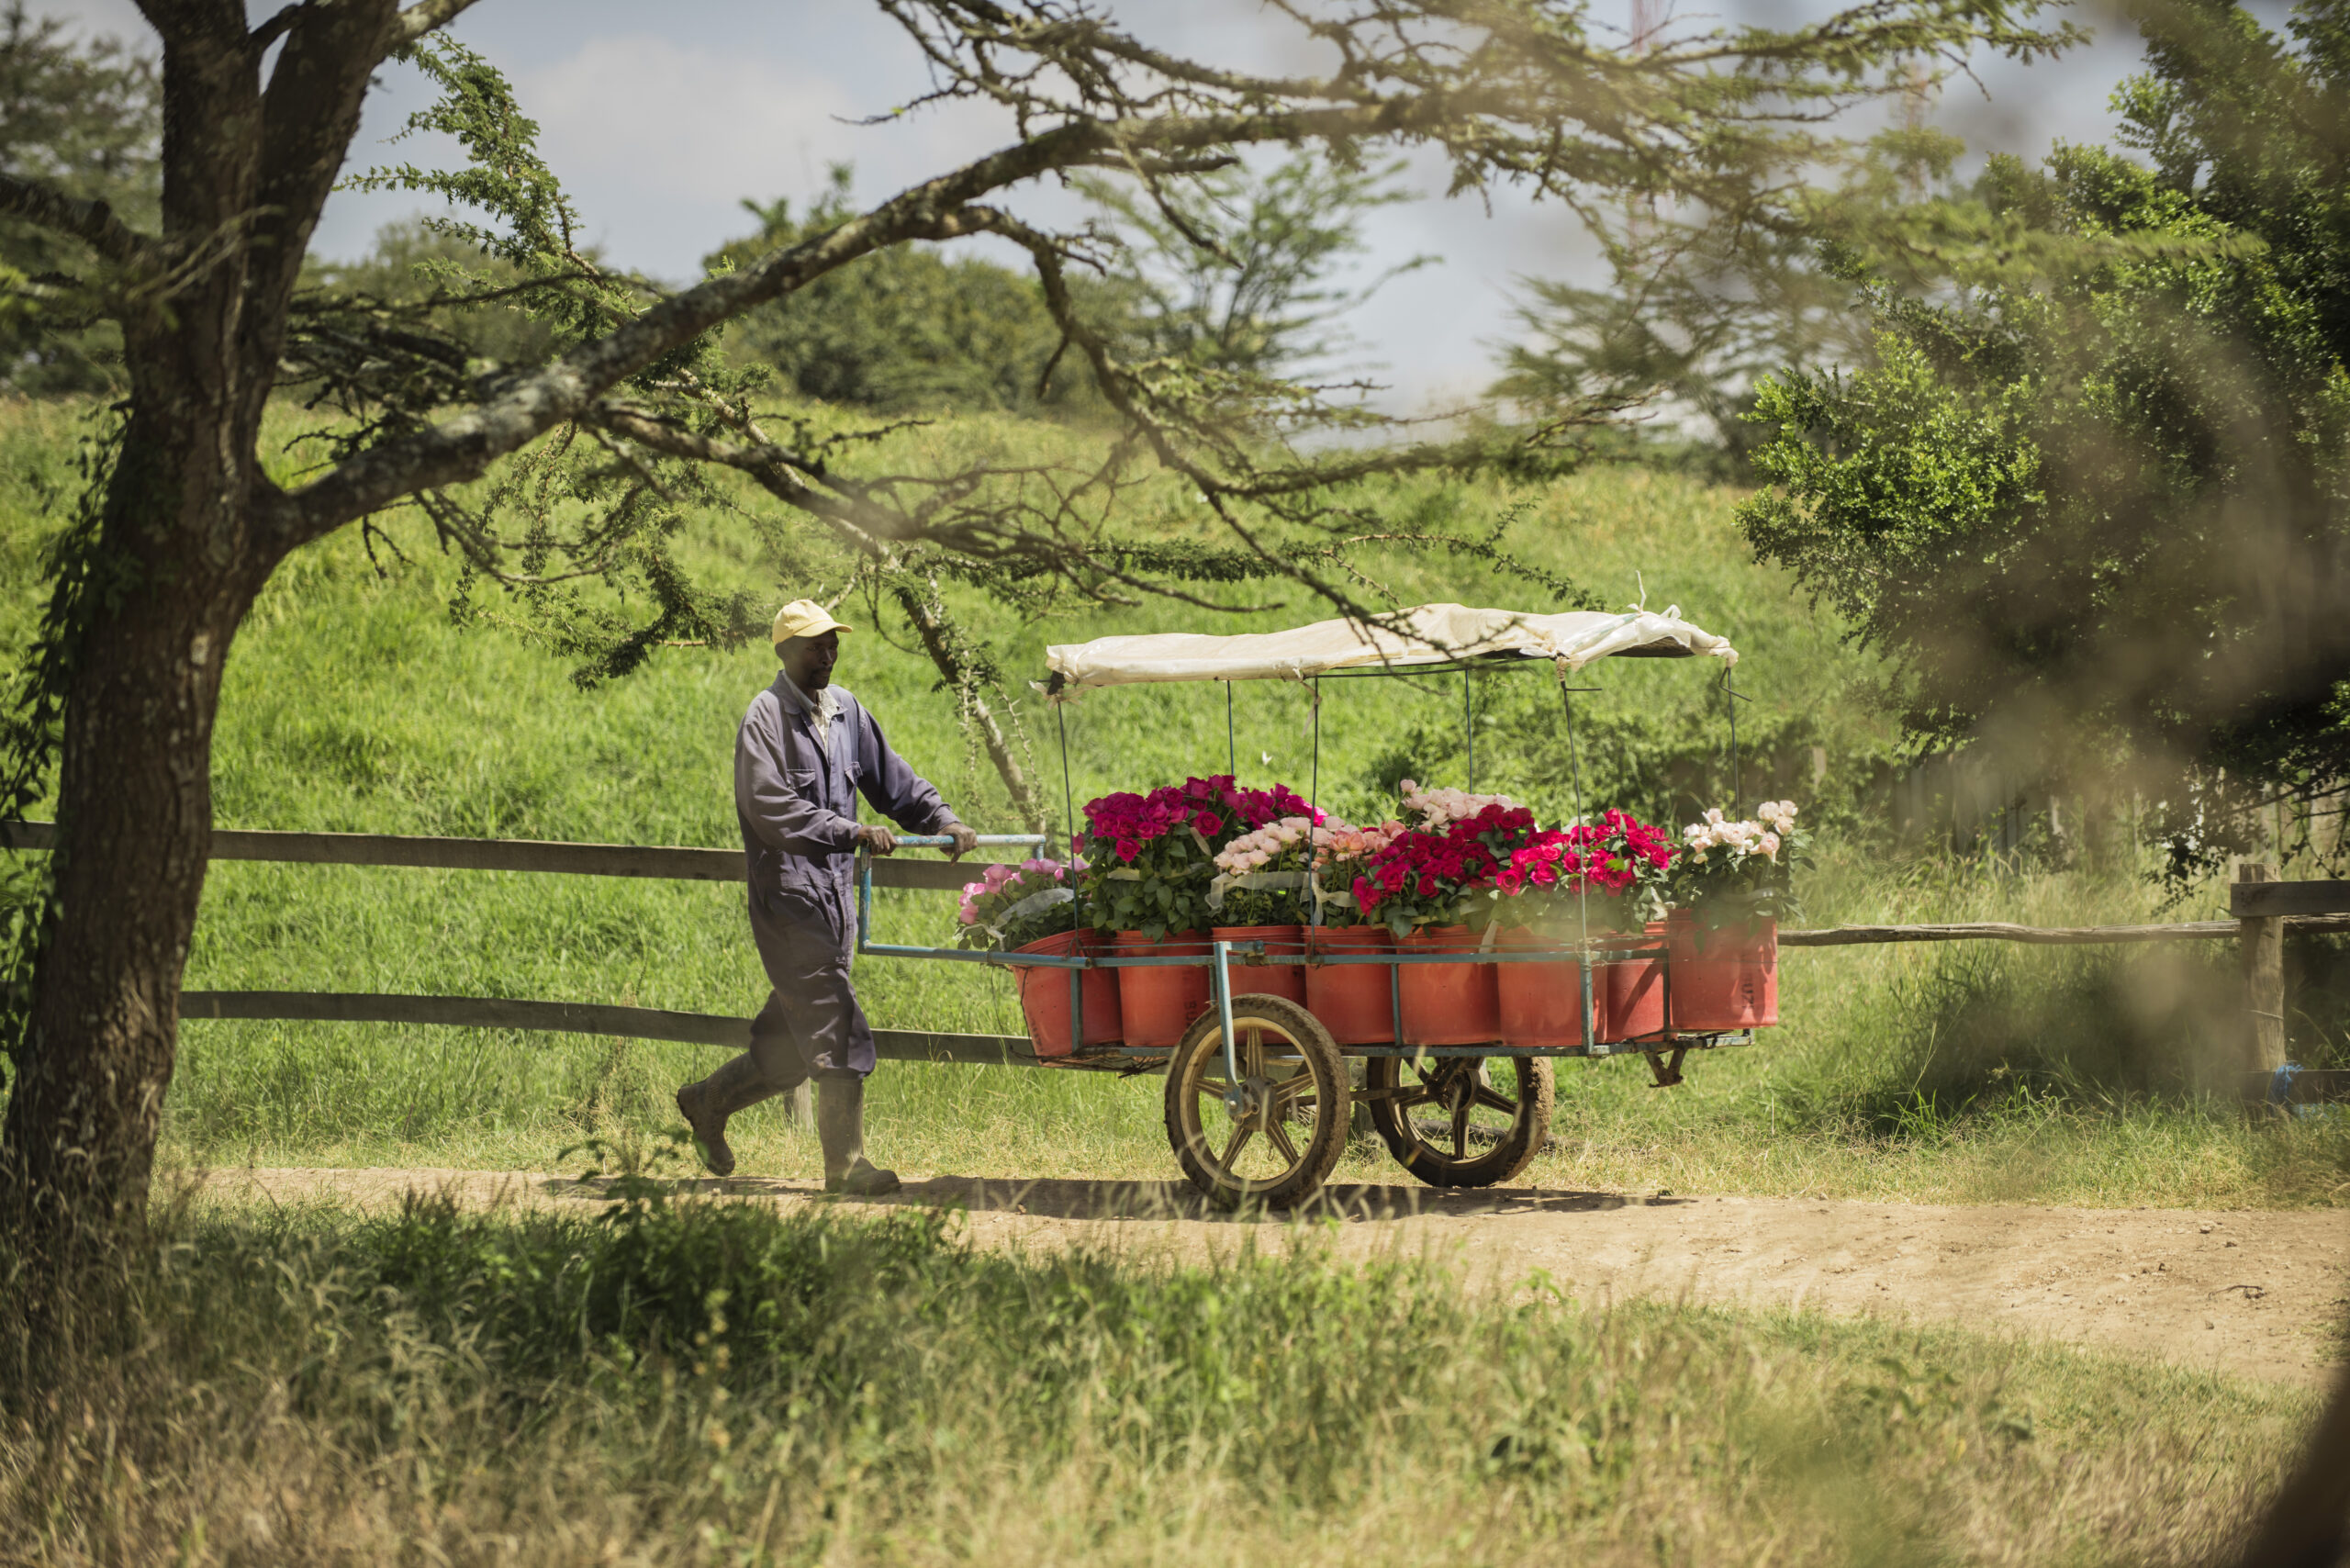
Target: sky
662, 119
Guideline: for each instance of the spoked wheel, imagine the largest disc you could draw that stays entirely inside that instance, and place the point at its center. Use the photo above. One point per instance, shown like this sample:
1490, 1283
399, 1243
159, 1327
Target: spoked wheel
1274, 1137
1460, 1120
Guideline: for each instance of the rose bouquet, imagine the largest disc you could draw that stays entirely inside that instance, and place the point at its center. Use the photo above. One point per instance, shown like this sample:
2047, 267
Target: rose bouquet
1154, 856
1452, 847
1730, 871
1011, 906
1616, 868
1341, 856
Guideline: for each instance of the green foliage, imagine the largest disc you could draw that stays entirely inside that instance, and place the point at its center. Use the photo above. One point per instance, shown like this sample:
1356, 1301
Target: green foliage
32, 725
87, 120
414, 263
1163, 888
1263, 906
2096, 500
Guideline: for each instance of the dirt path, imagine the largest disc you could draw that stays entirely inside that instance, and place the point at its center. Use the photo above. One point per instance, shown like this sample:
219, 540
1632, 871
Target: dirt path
2252, 1293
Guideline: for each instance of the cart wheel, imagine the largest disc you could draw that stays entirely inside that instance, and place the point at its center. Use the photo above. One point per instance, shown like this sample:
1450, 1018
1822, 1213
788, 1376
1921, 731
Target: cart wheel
1284, 1138
1449, 1122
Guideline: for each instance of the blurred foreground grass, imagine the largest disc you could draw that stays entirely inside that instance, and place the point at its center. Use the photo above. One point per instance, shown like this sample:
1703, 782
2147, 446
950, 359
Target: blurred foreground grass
714, 1383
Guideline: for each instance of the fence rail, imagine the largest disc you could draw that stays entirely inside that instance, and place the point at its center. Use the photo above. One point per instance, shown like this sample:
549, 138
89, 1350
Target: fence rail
665, 862
2264, 908
569, 1018
2047, 935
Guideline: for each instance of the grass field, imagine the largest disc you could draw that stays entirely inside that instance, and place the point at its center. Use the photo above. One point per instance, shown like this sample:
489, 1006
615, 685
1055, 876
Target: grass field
353, 703
707, 1383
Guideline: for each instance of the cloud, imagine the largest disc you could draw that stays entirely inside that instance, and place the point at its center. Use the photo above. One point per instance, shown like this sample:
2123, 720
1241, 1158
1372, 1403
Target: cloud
647, 127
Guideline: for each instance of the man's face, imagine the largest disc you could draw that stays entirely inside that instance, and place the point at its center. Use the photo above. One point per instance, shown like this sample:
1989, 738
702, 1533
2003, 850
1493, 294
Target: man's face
808, 660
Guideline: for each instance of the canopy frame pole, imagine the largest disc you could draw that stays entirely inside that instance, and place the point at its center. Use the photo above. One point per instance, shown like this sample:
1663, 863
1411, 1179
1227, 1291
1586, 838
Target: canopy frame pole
1314, 800
1069, 805
1582, 882
1314, 785
1730, 701
1469, 726
1069, 795
1231, 748
1731, 698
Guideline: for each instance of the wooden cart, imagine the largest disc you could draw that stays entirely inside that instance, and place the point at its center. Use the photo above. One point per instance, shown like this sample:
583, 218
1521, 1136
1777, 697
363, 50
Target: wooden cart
1258, 1093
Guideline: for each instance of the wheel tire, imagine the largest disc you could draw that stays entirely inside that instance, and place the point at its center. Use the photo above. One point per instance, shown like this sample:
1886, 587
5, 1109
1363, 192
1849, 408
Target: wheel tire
1482, 1154
1287, 1059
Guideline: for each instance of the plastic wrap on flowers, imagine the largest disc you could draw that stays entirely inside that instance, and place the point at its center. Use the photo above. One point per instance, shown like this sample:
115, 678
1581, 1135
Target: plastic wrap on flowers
1011, 906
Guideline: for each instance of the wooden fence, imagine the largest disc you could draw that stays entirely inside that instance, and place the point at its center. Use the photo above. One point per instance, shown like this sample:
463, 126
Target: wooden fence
2263, 907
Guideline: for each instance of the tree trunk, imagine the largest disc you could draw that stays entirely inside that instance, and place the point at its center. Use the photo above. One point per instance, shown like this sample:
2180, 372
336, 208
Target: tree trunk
176, 573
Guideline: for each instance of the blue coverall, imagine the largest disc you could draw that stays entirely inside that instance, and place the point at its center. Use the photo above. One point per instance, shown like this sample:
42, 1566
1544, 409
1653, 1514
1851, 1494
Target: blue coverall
795, 800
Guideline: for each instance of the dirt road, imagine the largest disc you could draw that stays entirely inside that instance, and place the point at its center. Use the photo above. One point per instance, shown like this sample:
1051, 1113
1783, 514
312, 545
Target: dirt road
2253, 1293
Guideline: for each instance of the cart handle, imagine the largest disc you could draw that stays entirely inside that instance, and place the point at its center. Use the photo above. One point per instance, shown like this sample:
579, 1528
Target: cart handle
940, 840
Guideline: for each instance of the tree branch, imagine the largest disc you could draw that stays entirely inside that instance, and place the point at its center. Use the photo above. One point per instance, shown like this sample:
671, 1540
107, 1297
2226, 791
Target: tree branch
424, 16
462, 447
277, 27
92, 222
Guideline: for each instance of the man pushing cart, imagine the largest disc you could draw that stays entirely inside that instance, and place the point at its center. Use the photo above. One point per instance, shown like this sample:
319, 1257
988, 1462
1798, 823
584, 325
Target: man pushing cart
806, 750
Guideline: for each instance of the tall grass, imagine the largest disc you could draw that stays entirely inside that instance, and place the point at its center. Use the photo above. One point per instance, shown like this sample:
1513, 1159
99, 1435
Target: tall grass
710, 1383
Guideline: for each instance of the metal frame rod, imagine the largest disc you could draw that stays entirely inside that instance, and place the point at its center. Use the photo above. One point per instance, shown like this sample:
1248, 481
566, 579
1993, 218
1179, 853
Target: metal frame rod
1220, 981
942, 841
1314, 801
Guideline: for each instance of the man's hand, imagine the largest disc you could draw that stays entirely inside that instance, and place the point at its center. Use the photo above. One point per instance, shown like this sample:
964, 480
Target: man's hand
875, 839
965, 840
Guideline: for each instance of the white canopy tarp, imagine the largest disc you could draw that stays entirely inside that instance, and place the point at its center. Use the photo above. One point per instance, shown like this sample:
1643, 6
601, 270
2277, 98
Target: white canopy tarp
1429, 633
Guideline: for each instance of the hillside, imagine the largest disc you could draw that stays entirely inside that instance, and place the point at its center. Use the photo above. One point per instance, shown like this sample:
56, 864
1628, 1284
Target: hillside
353, 703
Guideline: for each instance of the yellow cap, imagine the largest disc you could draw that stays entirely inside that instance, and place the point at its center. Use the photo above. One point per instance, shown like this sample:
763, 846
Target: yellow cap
804, 618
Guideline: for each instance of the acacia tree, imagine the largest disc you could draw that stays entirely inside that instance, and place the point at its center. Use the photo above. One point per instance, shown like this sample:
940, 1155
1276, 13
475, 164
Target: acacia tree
184, 522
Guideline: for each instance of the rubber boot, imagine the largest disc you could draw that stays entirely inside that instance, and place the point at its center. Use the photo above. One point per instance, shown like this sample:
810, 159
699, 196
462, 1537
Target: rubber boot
840, 1127
737, 1086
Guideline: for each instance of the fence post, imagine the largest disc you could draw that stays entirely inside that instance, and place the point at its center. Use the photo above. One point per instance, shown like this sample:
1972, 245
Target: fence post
2261, 943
